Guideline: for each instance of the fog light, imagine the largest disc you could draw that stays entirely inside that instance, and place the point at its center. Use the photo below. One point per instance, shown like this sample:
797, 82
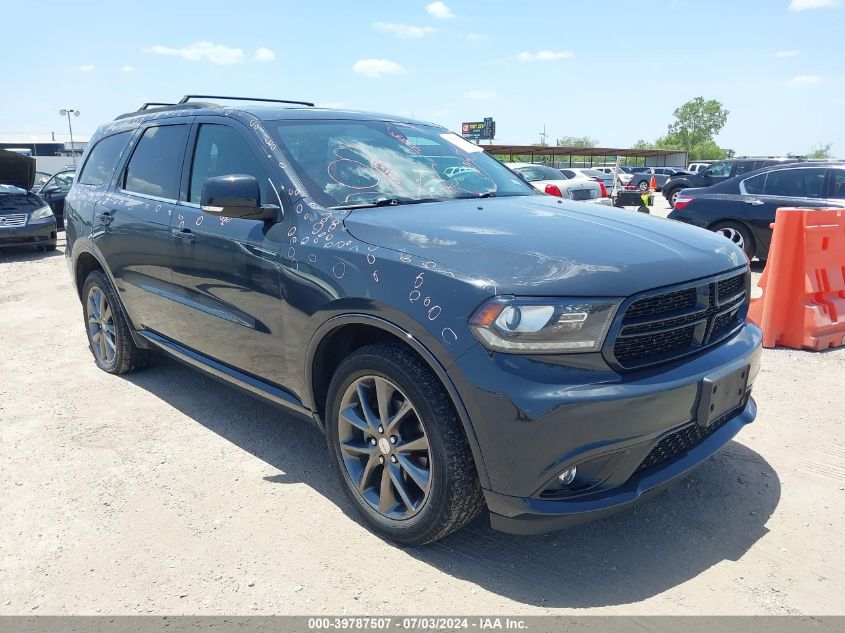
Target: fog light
567, 476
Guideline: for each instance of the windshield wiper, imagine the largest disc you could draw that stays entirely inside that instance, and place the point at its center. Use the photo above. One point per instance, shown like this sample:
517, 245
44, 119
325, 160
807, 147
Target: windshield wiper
385, 202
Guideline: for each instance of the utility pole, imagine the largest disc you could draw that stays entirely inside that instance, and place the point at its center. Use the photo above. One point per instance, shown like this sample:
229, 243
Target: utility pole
67, 113
543, 136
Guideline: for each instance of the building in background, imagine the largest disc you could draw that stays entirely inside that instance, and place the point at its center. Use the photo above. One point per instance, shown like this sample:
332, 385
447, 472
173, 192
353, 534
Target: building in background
52, 151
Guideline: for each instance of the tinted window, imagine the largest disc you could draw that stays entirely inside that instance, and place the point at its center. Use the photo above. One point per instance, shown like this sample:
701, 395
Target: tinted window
837, 184
539, 172
795, 183
755, 185
221, 151
102, 159
568, 173
153, 169
592, 173
743, 167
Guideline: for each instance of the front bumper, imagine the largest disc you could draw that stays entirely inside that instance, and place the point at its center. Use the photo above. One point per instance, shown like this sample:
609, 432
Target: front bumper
33, 233
534, 419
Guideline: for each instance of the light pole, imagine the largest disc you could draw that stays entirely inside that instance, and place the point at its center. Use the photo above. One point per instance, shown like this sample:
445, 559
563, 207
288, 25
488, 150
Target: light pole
67, 113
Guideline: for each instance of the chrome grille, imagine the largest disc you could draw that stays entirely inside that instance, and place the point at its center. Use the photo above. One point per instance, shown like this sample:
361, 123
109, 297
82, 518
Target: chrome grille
12, 219
665, 325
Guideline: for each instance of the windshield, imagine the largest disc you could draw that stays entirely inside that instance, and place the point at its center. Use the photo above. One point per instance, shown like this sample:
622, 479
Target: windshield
593, 173
353, 162
533, 173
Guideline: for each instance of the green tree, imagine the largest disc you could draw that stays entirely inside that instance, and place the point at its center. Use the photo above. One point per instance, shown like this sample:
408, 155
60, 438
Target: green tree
706, 150
577, 141
695, 122
643, 144
821, 151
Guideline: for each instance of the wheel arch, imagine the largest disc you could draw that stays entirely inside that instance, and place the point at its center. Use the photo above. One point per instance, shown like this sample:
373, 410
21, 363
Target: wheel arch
353, 331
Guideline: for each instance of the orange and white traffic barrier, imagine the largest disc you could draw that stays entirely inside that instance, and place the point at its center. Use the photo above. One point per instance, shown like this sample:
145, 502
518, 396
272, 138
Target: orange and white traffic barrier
803, 302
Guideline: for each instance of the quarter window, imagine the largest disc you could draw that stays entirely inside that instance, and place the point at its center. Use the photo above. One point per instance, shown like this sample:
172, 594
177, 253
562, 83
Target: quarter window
153, 169
795, 183
221, 151
101, 162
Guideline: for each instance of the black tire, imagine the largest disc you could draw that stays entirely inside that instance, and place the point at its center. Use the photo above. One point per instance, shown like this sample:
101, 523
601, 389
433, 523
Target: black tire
642, 186
49, 248
122, 356
670, 196
454, 494
739, 235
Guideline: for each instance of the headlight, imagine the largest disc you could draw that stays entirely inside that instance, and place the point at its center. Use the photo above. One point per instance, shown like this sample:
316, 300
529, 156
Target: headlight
543, 325
43, 212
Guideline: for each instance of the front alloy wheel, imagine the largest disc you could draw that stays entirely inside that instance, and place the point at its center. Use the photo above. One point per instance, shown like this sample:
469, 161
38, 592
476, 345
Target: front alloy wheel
384, 446
398, 446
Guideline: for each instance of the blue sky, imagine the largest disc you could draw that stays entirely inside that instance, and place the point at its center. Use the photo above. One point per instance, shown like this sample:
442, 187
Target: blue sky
614, 70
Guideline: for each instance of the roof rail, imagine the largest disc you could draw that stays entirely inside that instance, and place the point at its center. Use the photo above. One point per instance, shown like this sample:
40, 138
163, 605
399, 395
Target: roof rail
154, 103
186, 98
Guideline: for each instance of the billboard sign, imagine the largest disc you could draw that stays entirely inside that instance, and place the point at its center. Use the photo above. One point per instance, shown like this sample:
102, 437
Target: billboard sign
478, 130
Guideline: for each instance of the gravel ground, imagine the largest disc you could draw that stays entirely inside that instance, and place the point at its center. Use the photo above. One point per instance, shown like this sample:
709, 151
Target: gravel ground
165, 492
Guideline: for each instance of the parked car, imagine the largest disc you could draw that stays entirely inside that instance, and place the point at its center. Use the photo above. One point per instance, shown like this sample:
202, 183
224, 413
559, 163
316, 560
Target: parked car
590, 174
25, 220
743, 208
55, 190
551, 181
715, 173
698, 166
623, 174
25, 217
642, 176
463, 341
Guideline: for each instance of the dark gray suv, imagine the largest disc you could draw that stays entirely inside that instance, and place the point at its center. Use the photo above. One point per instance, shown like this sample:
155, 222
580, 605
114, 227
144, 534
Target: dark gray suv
463, 341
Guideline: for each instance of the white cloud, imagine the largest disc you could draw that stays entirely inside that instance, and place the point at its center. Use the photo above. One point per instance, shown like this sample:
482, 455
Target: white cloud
476, 37
202, 51
85, 68
803, 5
802, 81
128, 69
377, 67
481, 95
545, 56
784, 54
264, 55
439, 10
404, 31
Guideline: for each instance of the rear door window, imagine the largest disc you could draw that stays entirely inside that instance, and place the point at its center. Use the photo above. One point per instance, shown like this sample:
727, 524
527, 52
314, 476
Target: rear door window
720, 169
155, 166
102, 160
754, 185
796, 183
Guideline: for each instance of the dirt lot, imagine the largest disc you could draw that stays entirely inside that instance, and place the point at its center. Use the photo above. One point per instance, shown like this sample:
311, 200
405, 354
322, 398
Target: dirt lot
165, 492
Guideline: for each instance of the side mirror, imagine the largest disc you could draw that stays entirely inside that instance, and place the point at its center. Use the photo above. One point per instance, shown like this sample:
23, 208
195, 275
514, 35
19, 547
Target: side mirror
235, 196
50, 189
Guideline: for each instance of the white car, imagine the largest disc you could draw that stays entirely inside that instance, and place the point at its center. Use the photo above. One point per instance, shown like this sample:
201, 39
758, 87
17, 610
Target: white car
590, 174
549, 180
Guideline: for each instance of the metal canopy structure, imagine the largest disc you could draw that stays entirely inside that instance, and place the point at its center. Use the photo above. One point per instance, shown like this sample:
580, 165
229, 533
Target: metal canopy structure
588, 155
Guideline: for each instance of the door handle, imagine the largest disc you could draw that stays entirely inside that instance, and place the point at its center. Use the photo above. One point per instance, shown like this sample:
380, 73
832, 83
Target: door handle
183, 234
105, 216
755, 202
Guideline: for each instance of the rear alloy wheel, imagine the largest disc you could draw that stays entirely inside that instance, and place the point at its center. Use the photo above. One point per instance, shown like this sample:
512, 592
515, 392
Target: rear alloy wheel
398, 446
737, 234
643, 186
108, 332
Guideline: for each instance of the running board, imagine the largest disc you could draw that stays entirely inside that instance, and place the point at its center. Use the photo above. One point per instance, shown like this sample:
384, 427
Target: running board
227, 374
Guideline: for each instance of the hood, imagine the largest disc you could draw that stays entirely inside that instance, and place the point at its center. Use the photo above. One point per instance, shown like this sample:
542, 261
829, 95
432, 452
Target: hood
540, 245
17, 170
